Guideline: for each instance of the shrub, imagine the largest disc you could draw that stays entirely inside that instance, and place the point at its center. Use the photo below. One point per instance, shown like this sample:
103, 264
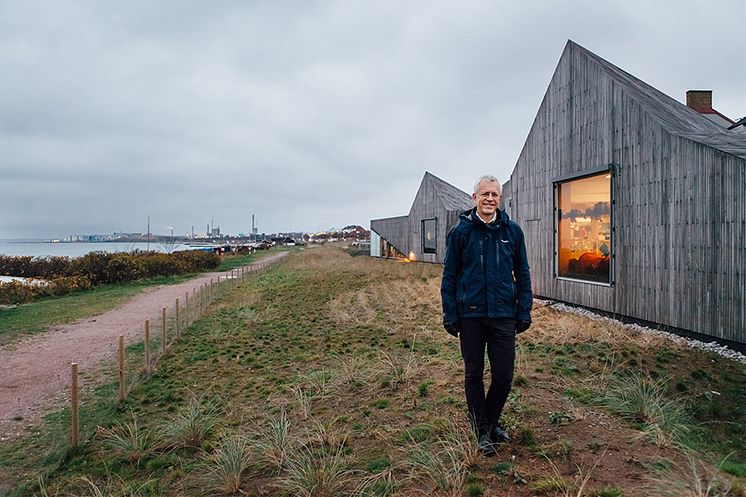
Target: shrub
18, 292
65, 275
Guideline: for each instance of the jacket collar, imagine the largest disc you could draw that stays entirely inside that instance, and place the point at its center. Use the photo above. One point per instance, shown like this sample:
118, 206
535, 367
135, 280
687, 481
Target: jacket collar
471, 216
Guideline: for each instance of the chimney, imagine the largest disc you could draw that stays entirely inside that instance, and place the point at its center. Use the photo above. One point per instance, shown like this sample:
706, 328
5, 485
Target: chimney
699, 100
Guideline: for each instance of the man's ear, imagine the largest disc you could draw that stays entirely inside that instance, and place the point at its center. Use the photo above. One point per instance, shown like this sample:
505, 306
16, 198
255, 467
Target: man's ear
474, 198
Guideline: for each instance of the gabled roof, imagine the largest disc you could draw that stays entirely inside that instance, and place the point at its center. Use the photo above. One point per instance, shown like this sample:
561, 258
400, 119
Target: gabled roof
676, 117
453, 199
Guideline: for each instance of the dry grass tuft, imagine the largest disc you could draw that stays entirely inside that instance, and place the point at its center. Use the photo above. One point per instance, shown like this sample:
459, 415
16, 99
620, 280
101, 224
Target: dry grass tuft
318, 467
129, 441
695, 480
224, 470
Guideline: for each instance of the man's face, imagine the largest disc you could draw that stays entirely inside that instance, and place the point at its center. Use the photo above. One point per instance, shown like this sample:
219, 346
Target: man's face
487, 198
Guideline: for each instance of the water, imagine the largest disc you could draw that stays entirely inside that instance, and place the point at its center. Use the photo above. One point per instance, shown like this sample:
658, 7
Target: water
77, 249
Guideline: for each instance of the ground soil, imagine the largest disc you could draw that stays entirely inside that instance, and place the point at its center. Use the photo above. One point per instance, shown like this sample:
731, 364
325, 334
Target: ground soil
35, 371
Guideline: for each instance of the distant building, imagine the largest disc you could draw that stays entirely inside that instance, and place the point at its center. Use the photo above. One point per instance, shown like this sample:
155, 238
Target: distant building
421, 235
633, 203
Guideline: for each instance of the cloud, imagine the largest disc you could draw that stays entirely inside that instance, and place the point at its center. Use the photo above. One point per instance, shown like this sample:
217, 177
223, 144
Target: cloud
307, 114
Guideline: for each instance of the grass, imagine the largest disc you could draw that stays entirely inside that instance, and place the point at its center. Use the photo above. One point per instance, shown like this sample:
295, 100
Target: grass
223, 470
37, 317
128, 441
333, 377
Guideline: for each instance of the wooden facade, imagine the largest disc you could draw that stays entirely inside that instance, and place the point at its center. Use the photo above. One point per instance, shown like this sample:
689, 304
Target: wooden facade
678, 190
439, 205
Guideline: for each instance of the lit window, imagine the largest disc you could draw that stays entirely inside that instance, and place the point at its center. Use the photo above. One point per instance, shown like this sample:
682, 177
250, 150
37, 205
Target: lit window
584, 228
429, 236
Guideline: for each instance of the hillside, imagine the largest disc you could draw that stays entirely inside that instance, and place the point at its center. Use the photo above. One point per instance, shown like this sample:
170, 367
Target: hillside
331, 375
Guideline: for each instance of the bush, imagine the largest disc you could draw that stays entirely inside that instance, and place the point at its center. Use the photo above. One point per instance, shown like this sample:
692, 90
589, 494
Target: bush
18, 292
65, 275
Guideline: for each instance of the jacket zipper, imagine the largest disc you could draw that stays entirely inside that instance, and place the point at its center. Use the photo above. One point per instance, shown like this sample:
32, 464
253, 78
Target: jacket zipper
481, 253
497, 253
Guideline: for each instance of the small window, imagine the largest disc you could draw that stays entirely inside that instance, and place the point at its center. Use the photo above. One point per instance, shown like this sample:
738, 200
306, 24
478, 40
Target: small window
429, 236
583, 226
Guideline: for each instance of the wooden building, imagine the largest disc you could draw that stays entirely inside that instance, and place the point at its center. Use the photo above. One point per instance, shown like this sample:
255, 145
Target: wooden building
421, 235
633, 203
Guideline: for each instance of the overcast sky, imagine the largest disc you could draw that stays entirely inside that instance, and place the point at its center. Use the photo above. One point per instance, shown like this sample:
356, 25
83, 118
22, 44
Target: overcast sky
308, 114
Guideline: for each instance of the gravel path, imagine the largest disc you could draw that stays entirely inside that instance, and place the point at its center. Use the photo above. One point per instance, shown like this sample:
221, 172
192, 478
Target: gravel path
34, 371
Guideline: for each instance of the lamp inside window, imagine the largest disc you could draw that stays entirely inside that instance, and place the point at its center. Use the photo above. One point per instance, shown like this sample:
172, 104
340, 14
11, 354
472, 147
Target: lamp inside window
584, 228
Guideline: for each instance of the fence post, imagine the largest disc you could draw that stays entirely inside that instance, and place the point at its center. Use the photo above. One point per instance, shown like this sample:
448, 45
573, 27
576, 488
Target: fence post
194, 305
147, 346
164, 331
176, 320
74, 433
186, 311
122, 376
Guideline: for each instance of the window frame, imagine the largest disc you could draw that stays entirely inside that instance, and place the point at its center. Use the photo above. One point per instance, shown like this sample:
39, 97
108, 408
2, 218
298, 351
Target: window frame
435, 237
556, 182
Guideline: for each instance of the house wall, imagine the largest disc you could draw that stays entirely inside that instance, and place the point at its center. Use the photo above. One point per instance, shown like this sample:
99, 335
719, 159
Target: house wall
679, 217
394, 230
427, 205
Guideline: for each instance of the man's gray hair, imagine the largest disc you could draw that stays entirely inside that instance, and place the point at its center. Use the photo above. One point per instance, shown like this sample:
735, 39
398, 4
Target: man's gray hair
488, 177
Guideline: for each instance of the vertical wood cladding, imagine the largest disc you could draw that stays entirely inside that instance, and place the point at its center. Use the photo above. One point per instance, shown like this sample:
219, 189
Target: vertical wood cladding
434, 199
679, 237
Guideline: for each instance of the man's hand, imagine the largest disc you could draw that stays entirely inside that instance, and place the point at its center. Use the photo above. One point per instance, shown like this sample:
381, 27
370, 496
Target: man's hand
521, 326
452, 328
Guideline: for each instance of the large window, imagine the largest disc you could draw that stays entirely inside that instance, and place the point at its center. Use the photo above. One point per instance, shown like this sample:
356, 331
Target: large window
584, 228
429, 236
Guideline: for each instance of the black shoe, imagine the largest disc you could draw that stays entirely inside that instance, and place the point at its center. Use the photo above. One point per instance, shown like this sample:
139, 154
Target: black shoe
485, 446
499, 436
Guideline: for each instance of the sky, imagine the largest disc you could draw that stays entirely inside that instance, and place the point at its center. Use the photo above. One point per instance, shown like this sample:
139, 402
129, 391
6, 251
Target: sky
308, 114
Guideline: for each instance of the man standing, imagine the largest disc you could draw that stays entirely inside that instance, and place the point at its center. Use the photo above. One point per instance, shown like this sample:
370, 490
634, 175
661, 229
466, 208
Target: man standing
486, 294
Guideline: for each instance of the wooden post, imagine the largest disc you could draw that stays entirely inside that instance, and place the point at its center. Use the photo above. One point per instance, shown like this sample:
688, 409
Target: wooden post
122, 377
186, 311
164, 331
74, 433
194, 305
147, 345
176, 320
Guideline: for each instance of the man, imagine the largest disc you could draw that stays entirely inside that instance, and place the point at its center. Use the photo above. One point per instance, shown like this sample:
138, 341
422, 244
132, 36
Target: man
486, 294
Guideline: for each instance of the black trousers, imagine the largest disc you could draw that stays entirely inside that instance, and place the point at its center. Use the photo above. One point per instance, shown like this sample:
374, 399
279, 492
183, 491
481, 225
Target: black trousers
498, 335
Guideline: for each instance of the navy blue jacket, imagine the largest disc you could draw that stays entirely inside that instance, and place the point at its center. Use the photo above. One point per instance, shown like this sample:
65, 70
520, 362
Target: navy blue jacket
486, 270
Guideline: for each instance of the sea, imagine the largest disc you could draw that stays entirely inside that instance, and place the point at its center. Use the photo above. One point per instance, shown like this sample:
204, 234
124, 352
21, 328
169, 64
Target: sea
42, 248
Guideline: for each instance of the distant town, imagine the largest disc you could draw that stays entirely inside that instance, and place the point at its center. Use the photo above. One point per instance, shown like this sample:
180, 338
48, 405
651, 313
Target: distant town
350, 233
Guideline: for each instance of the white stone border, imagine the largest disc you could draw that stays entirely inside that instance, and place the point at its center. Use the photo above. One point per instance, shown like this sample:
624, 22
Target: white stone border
692, 343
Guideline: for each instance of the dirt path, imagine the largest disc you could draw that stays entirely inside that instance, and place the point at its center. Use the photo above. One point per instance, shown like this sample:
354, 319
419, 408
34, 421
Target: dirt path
35, 370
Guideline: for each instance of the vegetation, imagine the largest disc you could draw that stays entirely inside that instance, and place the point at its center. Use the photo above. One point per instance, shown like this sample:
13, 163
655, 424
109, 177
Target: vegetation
308, 380
65, 275
38, 316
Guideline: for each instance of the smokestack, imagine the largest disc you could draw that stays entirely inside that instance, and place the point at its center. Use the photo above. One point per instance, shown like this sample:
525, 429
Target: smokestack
699, 100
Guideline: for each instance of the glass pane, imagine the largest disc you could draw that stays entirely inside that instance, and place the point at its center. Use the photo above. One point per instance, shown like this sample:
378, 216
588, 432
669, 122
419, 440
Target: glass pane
584, 233
429, 240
